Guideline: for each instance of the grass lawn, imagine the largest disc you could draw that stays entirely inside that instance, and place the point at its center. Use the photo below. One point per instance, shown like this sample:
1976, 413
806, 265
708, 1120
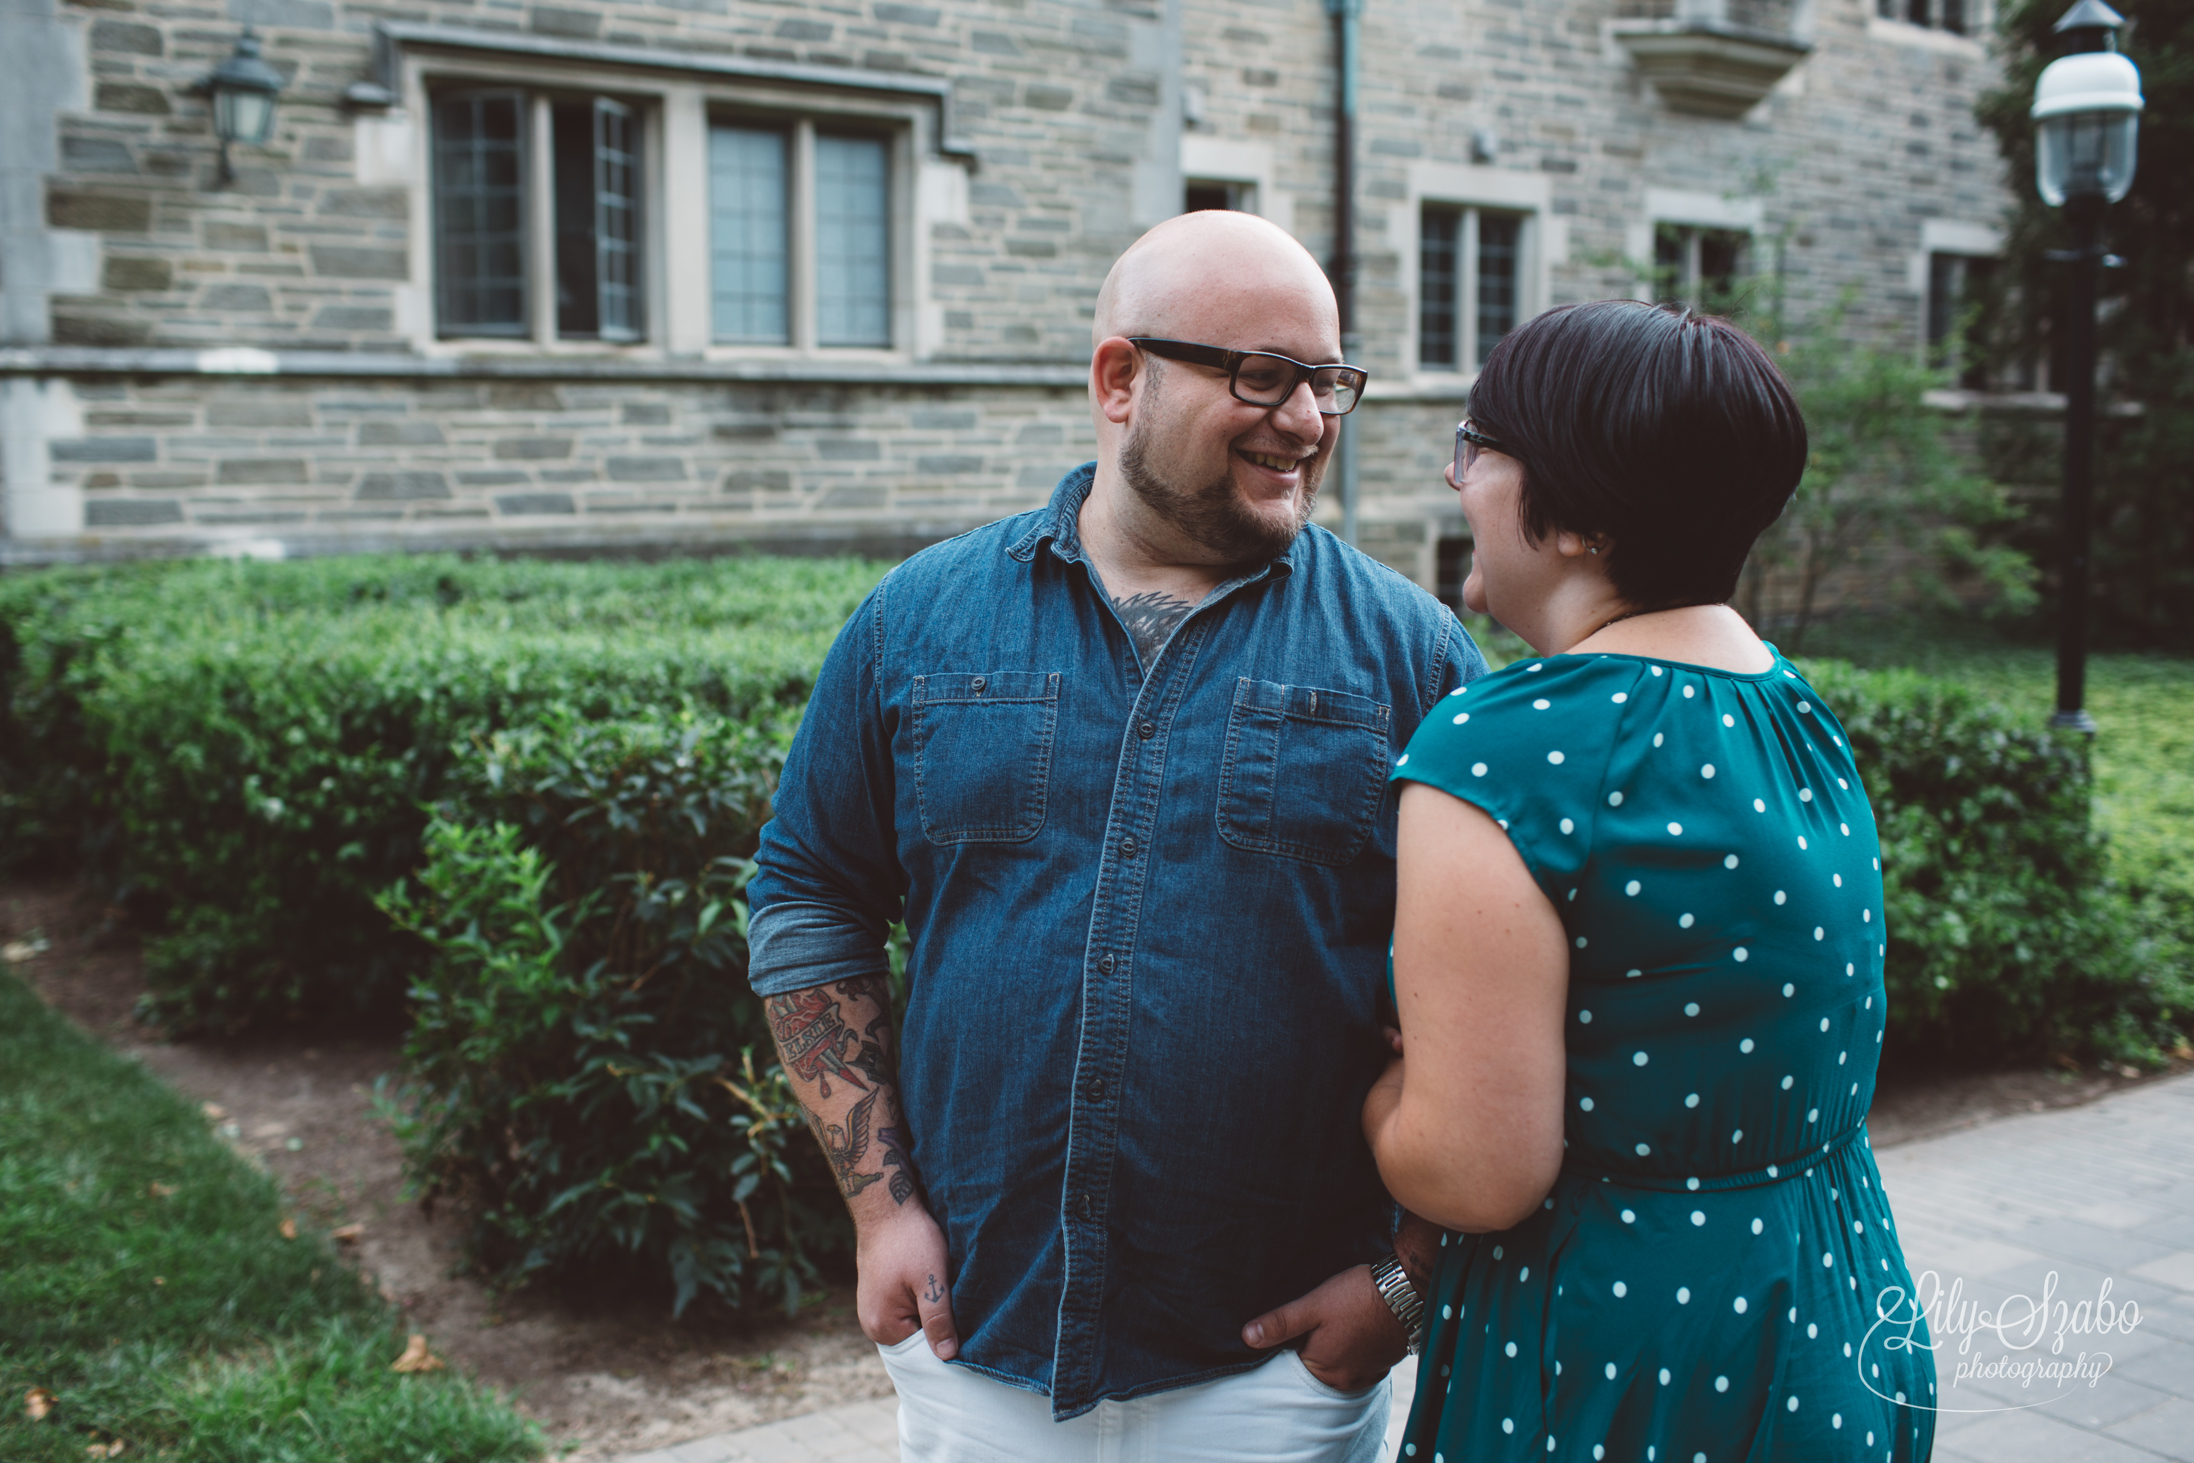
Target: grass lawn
151, 1303
2143, 707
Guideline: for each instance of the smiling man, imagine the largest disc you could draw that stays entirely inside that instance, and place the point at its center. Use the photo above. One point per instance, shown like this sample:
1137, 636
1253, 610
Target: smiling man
1120, 765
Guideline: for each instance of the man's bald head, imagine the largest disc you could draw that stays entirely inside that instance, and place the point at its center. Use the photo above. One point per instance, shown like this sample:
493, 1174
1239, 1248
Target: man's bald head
1210, 276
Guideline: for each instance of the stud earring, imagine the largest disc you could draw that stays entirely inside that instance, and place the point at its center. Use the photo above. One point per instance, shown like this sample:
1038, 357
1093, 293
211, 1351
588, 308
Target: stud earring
1592, 548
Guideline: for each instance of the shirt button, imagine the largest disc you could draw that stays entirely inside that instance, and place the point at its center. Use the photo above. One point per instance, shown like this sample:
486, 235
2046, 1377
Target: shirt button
1085, 1206
1127, 847
1096, 1088
1146, 730
978, 683
1105, 964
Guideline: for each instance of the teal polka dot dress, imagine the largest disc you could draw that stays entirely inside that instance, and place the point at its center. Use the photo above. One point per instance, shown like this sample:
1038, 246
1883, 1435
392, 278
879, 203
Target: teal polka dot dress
1704, 1283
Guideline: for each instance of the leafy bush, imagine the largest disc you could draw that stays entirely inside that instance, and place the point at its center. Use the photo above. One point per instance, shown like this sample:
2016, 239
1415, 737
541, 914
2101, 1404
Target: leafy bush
587, 1067
1884, 485
2007, 938
245, 750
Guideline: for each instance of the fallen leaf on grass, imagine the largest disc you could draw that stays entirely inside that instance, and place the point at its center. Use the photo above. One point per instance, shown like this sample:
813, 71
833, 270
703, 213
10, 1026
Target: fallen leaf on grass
289, 1229
160, 1191
106, 1450
416, 1357
15, 952
37, 1402
348, 1234
215, 1111
159, 1279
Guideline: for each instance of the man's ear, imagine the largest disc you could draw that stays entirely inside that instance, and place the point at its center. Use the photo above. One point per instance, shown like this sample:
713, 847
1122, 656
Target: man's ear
1113, 369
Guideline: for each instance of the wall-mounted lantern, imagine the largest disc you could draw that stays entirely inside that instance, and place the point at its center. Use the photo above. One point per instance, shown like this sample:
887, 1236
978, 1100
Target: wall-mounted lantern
243, 89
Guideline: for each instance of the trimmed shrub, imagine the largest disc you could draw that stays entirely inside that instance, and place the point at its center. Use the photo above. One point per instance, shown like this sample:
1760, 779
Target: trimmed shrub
2007, 939
587, 1069
246, 750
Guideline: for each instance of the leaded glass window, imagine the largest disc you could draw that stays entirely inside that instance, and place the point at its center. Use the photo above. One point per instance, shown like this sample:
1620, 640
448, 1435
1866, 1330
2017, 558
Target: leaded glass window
488, 265
1470, 284
852, 242
749, 207
480, 212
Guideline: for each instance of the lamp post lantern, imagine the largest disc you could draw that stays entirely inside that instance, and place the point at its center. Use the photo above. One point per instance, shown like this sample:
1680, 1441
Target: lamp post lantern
243, 89
2087, 105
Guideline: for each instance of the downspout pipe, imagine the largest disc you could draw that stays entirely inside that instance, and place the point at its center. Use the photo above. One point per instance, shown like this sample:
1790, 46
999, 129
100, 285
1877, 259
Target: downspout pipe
1347, 18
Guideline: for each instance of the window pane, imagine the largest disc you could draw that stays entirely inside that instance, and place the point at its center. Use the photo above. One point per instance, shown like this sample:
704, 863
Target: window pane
1670, 244
747, 208
1498, 235
597, 219
617, 218
1942, 305
479, 213
1439, 234
578, 305
1721, 269
852, 242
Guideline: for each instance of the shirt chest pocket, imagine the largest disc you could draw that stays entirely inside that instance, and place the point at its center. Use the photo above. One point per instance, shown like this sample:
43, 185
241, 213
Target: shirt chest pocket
1304, 773
982, 753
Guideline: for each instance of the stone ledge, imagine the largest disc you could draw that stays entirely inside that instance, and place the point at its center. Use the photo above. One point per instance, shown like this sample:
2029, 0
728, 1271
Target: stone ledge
243, 361
586, 538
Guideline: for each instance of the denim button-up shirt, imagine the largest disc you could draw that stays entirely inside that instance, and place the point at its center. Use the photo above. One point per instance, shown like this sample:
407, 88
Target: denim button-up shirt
1150, 910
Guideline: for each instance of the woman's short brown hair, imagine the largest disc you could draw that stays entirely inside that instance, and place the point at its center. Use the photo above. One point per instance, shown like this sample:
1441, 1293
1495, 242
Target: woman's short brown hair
1670, 434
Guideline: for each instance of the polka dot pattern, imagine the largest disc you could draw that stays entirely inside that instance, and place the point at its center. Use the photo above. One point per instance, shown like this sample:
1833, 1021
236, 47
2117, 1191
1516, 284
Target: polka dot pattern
1707, 845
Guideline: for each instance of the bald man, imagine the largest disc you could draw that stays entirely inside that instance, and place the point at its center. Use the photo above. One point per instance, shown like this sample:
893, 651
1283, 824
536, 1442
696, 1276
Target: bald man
1120, 764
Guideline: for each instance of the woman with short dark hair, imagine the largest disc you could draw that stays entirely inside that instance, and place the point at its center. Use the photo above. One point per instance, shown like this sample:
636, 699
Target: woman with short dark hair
1638, 949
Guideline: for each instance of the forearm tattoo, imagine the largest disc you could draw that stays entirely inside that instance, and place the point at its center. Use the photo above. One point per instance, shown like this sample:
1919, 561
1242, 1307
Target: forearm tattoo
816, 1044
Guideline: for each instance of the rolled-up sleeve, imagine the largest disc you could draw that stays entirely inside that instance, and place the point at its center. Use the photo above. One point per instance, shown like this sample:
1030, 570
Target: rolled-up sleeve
827, 880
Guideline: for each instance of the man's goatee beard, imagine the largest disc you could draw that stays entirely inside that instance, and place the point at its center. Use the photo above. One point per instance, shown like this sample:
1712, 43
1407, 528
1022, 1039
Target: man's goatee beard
1212, 516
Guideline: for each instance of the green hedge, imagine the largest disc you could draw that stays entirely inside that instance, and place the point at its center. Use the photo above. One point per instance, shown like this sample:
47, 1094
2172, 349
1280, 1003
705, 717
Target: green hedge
246, 750
587, 1067
527, 792
2007, 939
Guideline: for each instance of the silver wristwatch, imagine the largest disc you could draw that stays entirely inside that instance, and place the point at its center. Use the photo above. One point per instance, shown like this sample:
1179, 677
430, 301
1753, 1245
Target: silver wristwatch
1401, 1298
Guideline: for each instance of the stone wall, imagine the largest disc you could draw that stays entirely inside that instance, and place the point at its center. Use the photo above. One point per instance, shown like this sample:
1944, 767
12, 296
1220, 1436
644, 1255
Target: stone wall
190, 364
512, 464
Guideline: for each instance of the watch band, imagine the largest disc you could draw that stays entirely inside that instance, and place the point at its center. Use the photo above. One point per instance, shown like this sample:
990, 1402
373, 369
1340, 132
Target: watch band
1401, 1298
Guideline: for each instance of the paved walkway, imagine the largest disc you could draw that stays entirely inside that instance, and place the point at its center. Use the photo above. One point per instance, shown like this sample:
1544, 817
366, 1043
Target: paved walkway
2093, 1194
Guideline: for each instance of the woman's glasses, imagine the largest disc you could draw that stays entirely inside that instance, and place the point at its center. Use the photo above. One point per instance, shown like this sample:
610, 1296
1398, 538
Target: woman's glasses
1469, 442
1261, 378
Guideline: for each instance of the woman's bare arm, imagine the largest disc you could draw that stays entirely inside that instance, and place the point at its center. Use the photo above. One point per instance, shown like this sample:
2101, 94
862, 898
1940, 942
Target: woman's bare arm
1466, 1125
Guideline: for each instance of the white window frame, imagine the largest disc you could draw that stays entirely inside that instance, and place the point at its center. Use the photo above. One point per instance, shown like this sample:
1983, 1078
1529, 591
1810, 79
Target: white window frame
1541, 243
927, 187
1244, 165
1684, 208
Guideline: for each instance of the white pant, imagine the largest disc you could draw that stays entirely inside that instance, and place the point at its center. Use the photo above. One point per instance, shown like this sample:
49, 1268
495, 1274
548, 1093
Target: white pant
1278, 1413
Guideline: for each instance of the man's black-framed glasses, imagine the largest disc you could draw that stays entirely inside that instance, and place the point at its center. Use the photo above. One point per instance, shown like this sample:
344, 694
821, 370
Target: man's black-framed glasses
1469, 442
1261, 378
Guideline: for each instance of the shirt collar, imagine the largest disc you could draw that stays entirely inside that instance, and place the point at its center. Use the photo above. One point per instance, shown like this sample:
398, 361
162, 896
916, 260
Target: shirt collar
1061, 519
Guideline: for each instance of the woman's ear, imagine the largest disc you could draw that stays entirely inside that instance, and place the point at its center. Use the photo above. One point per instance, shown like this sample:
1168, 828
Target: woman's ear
1576, 545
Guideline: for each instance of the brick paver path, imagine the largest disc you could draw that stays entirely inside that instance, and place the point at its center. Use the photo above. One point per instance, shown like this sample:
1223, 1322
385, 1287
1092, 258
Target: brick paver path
2104, 1192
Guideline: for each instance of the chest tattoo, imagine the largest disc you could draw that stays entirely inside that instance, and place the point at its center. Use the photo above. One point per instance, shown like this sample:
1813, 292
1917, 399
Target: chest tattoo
1150, 618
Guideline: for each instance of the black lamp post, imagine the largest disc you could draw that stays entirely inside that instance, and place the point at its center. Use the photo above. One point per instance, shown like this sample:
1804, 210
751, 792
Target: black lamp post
2088, 107
243, 89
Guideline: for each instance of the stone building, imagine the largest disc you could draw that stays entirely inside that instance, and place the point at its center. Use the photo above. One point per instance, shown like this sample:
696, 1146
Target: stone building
691, 275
